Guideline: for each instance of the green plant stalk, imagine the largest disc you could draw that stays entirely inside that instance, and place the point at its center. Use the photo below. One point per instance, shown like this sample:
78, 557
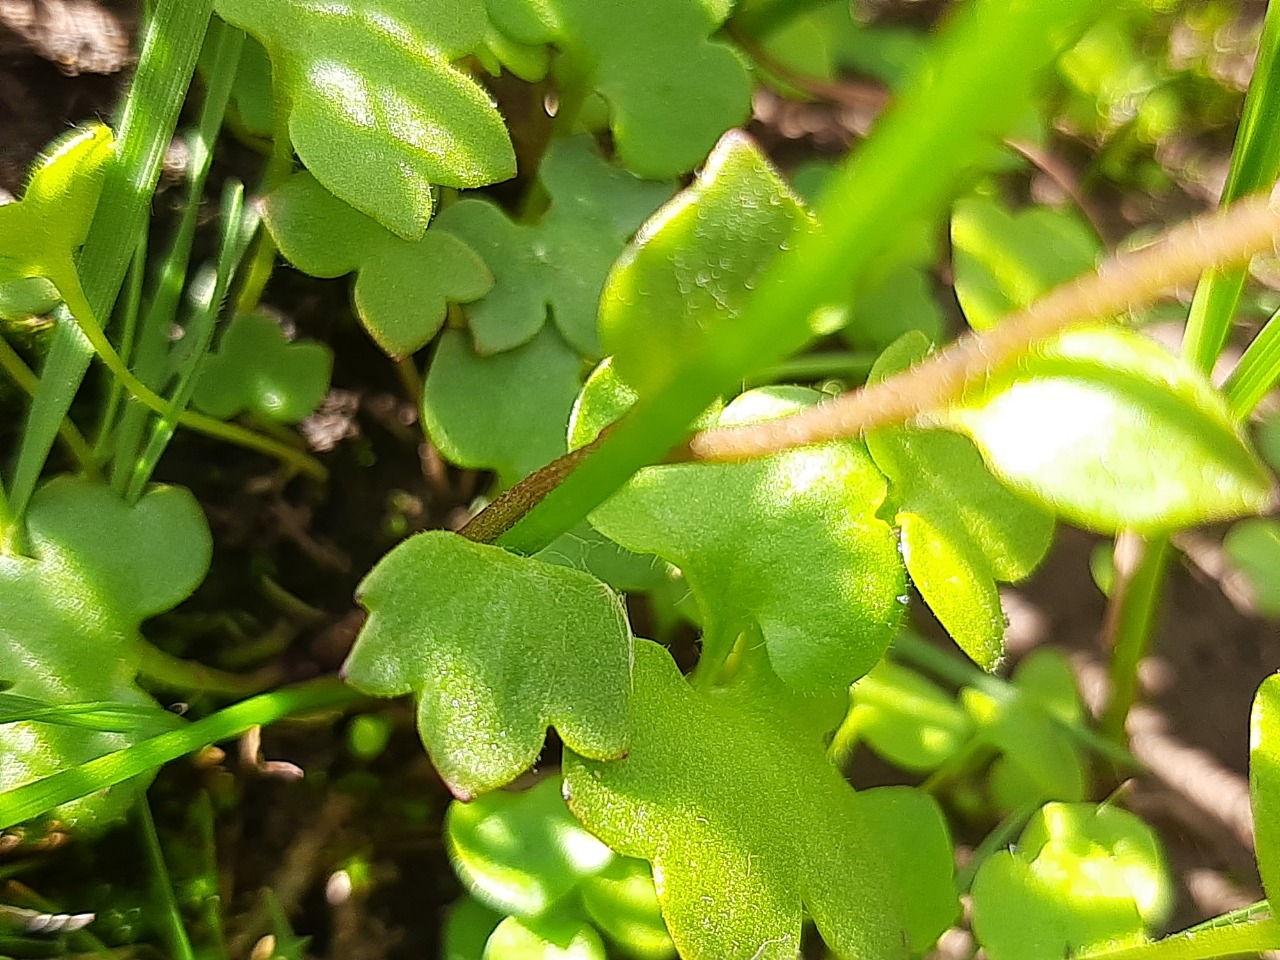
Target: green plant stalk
279, 167
190, 676
948, 115
1257, 371
1005, 833
1201, 943
171, 41
919, 653
1255, 165
162, 887
129, 313
71, 437
1135, 599
8, 526
32, 799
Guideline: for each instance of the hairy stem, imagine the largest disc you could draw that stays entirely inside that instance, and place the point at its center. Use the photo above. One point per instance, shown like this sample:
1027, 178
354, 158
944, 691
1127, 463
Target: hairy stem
1120, 283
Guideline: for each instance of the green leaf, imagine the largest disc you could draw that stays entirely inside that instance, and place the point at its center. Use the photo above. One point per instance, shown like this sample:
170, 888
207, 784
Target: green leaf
467, 929
521, 852
961, 529
496, 647
1081, 876
1040, 762
692, 268
1264, 782
402, 287
906, 719
507, 413
376, 108
586, 548
98, 567
1004, 261
1110, 431
557, 265
622, 901
643, 58
707, 793
546, 938
790, 544
900, 302
257, 370
40, 233
1254, 548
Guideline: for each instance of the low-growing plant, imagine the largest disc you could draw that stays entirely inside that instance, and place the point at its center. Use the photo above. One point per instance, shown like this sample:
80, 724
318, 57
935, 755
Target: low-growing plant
626, 339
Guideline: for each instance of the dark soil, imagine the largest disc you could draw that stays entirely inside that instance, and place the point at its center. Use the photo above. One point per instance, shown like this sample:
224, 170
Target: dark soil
63, 61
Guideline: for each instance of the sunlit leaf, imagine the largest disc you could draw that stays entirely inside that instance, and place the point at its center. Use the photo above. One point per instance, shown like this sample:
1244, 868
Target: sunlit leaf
791, 544
699, 795
496, 648
1081, 876
98, 568
544, 938
402, 287
694, 265
1110, 430
621, 900
257, 370
961, 529
557, 265
1005, 260
906, 719
376, 108
1264, 782
508, 412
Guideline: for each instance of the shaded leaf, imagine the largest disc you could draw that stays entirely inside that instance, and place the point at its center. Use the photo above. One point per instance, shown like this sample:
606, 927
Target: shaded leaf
790, 544
694, 265
961, 529
622, 901
896, 304
376, 108
699, 793
1004, 261
497, 648
508, 412
558, 265
1081, 876
1264, 782
585, 548
521, 853
98, 568
467, 929
402, 287
257, 370
1109, 430
907, 719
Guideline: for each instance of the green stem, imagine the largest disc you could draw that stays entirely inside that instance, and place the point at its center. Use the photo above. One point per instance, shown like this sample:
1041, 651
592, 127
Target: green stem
192, 677
1131, 615
1201, 943
128, 340
998, 839
27, 381
162, 887
8, 526
919, 653
32, 799
279, 168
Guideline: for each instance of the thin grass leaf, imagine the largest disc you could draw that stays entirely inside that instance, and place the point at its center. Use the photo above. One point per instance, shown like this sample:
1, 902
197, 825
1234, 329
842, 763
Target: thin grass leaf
1257, 371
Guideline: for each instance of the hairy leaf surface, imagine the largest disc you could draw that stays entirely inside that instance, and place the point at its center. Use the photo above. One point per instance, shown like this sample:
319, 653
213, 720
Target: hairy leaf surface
376, 108
496, 648
698, 794
1110, 430
558, 265
790, 544
98, 568
961, 529
402, 287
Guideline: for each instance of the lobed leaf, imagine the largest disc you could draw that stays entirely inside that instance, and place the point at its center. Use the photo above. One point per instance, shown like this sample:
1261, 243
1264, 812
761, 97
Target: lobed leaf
1264, 782
257, 370
507, 413
376, 108
961, 529
559, 264
693, 266
707, 793
496, 648
402, 287
98, 567
1081, 876
791, 544
1111, 431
